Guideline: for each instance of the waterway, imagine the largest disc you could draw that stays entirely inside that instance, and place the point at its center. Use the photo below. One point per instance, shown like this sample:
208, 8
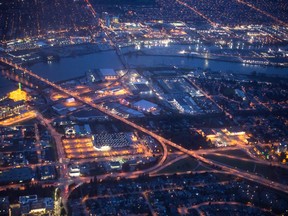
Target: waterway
71, 67
68, 68
6, 86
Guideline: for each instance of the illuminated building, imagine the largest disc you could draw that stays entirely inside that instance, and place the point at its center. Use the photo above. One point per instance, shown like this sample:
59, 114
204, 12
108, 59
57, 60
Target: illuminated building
11, 108
115, 19
77, 130
225, 137
25, 115
140, 88
106, 18
145, 106
47, 173
105, 141
282, 147
240, 94
70, 100
18, 95
108, 74
115, 165
32, 205
27, 199
74, 171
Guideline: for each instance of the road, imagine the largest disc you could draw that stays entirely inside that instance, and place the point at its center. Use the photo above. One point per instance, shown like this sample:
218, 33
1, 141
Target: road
197, 12
263, 12
254, 160
196, 207
20, 118
145, 195
57, 137
169, 163
91, 8
38, 142
232, 171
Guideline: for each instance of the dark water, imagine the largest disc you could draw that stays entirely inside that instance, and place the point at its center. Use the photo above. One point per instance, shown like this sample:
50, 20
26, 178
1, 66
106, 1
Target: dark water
185, 62
68, 68
6, 86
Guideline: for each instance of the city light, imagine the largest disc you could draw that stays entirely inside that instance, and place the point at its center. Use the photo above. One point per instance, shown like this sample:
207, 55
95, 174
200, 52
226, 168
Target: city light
155, 107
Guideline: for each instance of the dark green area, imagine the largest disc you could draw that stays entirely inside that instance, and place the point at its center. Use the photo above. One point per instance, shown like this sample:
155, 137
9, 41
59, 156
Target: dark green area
228, 92
270, 172
183, 165
236, 153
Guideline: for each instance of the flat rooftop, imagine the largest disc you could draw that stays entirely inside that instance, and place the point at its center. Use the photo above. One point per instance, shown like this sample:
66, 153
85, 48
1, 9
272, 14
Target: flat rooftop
108, 72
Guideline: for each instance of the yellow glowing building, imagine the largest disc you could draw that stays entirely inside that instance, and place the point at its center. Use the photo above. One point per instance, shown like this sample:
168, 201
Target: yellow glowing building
18, 94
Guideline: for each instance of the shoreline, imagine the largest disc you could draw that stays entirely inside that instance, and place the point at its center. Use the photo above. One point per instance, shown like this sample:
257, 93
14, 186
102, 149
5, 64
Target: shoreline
31, 63
76, 53
232, 59
141, 53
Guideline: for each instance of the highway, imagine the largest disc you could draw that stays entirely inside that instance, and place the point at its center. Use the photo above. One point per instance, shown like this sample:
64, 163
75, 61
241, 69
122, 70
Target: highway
160, 139
91, 8
167, 164
232, 171
263, 12
38, 142
255, 160
197, 12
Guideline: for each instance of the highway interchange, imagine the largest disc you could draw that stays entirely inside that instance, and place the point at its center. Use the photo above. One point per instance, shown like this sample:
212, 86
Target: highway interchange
172, 152
160, 139
63, 162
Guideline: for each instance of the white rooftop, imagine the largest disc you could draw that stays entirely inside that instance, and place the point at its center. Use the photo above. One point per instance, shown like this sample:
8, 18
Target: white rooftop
144, 104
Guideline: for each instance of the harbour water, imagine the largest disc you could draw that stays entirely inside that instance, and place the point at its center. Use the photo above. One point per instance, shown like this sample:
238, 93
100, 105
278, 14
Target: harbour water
6, 86
68, 68
71, 67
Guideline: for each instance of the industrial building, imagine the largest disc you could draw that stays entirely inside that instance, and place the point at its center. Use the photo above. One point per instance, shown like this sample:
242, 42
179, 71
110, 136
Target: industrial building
108, 74
145, 106
32, 205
